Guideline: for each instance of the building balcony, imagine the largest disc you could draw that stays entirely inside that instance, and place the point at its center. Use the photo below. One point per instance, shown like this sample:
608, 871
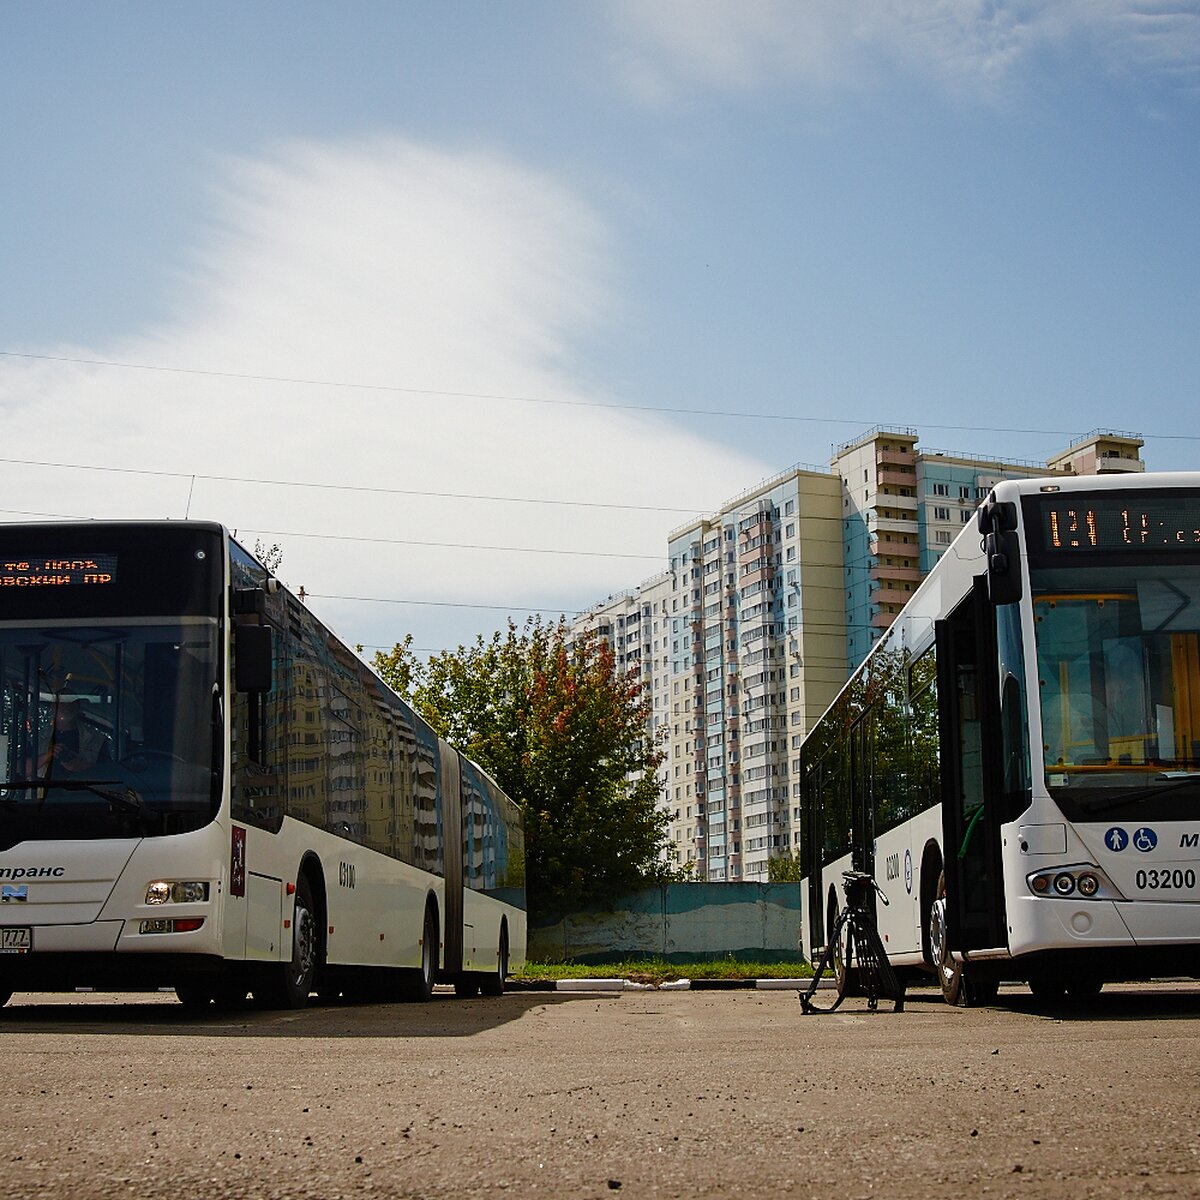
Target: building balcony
886, 545
883, 620
896, 477
901, 525
887, 595
898, 458
887, 575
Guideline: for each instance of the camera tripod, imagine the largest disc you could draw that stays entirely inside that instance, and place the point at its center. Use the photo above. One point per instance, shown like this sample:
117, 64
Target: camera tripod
853, 942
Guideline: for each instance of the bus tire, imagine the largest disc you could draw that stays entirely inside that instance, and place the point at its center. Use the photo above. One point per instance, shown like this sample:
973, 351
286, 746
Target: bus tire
960, 985
288, 984
1047, 987
931, 870
493, 985
193, 994
198, 994
426, 975
949, 973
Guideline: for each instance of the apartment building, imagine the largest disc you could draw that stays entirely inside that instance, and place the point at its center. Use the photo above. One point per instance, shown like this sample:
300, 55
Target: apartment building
767, 605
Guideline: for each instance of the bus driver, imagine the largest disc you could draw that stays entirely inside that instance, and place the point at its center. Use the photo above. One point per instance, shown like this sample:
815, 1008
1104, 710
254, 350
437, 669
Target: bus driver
75, 745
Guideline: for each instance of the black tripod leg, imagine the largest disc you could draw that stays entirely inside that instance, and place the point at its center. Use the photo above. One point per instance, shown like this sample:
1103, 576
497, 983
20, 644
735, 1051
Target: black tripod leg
823, 967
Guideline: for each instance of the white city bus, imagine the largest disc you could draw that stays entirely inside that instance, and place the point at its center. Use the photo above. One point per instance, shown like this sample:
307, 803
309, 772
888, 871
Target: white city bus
202, 788
1017, 761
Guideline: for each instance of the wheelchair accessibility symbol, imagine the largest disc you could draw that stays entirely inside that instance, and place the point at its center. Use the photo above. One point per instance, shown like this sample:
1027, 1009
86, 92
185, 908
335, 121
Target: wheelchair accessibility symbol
1145, 839
1116, 839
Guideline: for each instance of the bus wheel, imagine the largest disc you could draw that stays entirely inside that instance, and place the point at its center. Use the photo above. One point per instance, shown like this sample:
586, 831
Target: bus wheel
493, 985
199, 994
949, 972
193, 995
960, 986
422, 988
287, 985
466, 986
1047, 988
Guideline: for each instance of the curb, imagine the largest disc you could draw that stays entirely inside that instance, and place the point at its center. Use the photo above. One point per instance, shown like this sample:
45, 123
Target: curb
674, 985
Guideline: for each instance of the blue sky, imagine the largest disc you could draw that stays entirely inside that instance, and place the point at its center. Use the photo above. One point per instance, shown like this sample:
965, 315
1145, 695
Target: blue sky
975, 218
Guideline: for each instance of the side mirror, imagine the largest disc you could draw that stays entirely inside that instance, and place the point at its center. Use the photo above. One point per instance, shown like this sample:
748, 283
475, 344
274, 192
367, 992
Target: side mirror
253, 654
998, 524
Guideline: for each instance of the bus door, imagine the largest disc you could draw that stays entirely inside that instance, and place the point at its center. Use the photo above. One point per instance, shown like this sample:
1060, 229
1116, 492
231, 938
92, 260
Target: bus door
452, 806
968, 730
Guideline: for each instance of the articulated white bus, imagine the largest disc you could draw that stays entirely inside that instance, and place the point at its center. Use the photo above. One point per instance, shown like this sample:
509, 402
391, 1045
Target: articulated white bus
1017, 762
202, 788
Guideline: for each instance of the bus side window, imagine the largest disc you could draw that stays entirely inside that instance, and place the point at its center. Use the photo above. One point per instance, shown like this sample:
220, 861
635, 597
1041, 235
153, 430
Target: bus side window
926, 781
1014, 726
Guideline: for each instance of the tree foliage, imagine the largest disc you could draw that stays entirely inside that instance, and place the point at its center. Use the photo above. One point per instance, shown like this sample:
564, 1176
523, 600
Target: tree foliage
565, 735
785, 869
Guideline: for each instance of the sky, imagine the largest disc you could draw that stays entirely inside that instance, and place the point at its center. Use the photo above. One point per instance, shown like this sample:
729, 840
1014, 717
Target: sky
464, 306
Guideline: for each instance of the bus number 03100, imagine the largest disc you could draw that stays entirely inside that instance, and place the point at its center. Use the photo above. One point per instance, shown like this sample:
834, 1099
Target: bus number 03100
1166, 879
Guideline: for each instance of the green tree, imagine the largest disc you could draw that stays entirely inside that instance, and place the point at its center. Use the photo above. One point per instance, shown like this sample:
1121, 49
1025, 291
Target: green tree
785, 869
565, 735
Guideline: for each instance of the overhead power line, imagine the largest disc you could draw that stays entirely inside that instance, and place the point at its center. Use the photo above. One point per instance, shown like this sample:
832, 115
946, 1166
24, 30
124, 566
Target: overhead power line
351, 537
402, 389
344, 487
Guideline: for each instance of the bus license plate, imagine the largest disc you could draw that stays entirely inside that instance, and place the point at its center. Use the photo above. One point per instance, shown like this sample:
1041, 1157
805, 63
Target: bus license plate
16, 939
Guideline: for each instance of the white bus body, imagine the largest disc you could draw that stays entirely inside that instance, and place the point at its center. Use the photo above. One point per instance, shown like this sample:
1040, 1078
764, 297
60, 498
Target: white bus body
1028, 730
203, 788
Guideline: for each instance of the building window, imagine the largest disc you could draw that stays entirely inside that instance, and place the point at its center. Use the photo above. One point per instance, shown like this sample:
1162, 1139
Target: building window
941, 489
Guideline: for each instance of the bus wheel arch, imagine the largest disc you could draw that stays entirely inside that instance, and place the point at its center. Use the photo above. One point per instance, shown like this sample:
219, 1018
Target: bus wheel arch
287, 984
312, 871
931, 873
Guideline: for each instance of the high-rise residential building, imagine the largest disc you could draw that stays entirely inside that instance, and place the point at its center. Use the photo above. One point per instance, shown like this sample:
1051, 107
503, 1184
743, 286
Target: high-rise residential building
903, 506
766, 607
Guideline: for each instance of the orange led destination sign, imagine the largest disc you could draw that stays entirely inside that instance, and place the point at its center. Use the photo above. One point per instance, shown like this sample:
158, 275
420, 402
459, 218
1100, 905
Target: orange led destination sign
1124, 523
49, 571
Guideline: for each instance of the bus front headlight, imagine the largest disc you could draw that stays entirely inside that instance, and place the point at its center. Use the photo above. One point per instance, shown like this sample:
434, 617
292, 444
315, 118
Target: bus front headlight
164, 891
1083, 881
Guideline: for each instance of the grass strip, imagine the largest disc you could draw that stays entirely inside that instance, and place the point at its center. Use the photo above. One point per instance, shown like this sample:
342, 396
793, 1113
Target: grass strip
658, 970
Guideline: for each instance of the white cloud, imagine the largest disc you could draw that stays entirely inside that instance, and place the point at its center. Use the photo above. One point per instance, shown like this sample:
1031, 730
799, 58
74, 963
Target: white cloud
379, 263
962, 45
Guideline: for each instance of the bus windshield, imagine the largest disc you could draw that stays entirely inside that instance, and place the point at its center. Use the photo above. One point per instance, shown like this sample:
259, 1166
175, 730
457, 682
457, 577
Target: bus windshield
1118, 654
109, 729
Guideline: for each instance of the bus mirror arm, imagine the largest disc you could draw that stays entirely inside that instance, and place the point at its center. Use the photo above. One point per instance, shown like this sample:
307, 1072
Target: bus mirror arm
998, 526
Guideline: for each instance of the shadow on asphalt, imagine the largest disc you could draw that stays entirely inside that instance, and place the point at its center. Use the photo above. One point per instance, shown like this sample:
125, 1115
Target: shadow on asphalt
443, 1016
1117, 1002
1177, 1004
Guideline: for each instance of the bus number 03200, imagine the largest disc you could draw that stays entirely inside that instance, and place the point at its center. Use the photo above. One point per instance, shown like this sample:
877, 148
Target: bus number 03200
1166, 879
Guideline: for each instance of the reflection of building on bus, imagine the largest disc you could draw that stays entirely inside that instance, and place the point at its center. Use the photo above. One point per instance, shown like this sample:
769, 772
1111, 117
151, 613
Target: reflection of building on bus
269, 816
1036, 694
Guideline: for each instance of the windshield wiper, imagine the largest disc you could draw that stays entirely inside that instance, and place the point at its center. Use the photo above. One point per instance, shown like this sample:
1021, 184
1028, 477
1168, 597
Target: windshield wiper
1171, 780
101, 787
